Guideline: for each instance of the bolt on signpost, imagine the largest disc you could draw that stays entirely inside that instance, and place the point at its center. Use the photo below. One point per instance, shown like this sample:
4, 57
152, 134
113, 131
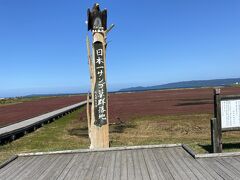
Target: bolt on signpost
98, 125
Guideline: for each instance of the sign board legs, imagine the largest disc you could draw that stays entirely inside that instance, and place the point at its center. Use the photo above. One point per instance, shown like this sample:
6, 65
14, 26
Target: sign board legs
214, 136
216, 128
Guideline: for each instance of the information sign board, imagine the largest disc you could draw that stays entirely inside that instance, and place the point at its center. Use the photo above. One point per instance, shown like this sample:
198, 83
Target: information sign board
230, 113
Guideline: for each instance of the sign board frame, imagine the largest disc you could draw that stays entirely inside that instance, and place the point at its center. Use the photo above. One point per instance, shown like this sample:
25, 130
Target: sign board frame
216, 122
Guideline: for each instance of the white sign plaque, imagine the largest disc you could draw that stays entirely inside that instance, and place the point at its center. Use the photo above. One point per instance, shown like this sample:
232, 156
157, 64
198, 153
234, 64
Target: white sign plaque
230, 113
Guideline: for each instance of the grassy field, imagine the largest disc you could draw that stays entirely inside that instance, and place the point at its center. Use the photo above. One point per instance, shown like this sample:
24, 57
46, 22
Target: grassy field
70, 132
193, 130
10, 101
51, 137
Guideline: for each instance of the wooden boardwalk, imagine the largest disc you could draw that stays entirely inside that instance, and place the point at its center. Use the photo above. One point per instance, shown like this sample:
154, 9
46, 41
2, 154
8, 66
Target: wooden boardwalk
140, 163
22, 126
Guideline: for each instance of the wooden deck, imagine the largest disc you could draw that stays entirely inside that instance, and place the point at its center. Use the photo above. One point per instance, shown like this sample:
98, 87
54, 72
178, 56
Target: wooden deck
140, 163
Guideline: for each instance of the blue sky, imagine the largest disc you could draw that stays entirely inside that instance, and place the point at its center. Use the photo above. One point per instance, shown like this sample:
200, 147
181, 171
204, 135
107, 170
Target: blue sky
43, 50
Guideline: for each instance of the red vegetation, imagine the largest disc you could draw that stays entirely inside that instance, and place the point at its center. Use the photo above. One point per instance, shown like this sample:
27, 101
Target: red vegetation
124, 106
168, 102
17, 112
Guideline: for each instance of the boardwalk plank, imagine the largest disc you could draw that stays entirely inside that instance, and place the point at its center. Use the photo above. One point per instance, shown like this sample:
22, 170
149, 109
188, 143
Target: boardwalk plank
162, 171
51, 166
17, 169
162, 164
237, 158
212, 168
110, 169
124, 166
136, 164
103, 174
174, 163
117, 166
56, 167
229, 171
233, 162
11, 166
60, 167
88, 167
154, 172
208, 169
220, 168
168, 164
193, 165
30, 170
99, 166
36, 173
130, 165
71, 164
181, 163
229, 166
143, 165
77, 166
152, 163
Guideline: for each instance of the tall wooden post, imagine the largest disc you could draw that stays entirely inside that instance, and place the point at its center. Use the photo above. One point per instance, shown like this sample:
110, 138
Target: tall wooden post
216, 127
98, 122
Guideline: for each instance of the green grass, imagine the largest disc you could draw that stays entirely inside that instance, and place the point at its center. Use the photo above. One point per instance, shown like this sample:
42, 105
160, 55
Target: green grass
188, 129
70, 132
51, 137
193, 130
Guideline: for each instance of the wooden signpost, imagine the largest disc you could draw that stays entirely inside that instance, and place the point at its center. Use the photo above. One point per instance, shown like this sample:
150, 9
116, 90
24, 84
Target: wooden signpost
226, 118
98, 124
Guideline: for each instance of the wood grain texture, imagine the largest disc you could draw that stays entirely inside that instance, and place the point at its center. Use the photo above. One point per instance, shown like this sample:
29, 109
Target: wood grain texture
147, 163
99, 136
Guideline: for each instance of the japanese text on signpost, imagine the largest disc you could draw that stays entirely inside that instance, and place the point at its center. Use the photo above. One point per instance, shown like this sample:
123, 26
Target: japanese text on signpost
100, 89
